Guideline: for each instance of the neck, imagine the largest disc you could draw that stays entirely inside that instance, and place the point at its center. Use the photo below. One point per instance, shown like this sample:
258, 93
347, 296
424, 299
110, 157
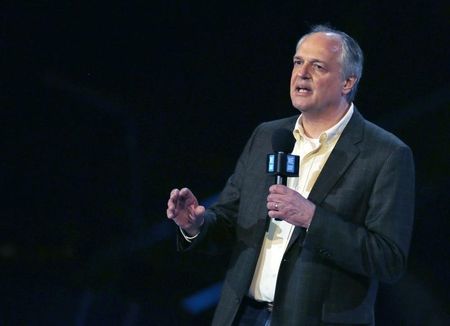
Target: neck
314, 124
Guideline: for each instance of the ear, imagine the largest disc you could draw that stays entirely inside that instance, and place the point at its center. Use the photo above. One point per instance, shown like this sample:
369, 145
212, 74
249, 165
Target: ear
348, 85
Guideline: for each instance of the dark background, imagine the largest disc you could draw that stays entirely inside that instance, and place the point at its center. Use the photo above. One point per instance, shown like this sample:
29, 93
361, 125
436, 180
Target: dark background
106, 107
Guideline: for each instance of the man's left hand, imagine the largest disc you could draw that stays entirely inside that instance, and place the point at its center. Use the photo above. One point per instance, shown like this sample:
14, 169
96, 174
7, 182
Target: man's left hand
286, 204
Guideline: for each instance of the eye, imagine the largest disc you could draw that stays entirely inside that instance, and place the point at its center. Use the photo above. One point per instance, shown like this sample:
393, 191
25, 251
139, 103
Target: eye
297, 62
319, 67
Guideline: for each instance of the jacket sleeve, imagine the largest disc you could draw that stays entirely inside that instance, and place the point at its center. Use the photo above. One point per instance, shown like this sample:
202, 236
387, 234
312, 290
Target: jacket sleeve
218, 231
378, 246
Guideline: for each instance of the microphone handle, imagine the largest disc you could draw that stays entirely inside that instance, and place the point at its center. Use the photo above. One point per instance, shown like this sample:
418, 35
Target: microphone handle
280, 180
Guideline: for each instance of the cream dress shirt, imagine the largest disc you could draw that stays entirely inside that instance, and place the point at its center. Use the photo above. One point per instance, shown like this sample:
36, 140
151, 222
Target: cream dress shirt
313, 155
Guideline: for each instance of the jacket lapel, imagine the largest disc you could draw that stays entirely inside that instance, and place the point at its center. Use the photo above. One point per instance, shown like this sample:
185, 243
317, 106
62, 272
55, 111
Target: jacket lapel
269, 181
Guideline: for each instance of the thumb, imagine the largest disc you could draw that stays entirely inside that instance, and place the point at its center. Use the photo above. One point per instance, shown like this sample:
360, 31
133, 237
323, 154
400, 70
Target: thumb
199, 210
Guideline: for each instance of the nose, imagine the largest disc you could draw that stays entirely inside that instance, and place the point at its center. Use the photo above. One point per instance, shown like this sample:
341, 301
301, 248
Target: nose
303, 71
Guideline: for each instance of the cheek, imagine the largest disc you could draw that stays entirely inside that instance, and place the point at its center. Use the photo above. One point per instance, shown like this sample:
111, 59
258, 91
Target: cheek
328, 85
292, 79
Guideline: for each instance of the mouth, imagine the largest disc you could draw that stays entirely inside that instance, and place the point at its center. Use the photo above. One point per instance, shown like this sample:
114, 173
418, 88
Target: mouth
302, 90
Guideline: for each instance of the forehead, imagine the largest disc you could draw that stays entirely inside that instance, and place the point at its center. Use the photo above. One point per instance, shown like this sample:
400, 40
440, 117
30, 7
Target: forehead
320, 46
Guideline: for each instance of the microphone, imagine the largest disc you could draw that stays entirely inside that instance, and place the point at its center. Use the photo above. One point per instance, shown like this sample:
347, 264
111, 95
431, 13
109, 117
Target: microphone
281, 164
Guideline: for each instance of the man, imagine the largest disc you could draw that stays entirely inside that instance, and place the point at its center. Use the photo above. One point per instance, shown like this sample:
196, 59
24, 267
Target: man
335, 231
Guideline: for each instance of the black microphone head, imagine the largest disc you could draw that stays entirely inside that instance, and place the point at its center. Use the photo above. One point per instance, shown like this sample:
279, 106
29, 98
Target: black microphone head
283, 141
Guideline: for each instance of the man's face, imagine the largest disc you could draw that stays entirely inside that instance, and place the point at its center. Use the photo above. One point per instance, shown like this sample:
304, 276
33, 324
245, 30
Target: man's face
316, 83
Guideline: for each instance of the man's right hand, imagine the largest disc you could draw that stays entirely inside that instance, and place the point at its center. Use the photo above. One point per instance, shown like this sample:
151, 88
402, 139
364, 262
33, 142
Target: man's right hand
184, 210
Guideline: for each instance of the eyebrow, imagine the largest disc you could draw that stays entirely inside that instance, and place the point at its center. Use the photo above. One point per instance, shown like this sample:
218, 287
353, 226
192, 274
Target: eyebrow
313, 60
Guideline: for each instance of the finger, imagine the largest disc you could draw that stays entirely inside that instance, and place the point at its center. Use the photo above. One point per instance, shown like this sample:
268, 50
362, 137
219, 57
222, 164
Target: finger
275, 198
273, 205
274, 189
185, 192
174, 192
173, 198
278, 189
171, 203
277, 206
171, 211
275, 214
188, 198
184, 195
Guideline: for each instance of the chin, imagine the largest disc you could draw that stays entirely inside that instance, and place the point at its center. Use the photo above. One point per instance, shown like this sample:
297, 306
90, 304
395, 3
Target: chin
300, 106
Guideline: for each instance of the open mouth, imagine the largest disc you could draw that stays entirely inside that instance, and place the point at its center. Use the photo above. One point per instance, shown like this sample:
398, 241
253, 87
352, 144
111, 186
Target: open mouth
302, 90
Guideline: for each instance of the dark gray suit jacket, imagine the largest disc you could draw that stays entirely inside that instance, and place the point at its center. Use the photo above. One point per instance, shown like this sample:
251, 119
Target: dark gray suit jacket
360, 233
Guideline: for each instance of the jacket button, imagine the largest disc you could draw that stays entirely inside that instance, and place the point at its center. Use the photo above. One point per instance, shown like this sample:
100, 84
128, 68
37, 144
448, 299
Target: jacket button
324, 252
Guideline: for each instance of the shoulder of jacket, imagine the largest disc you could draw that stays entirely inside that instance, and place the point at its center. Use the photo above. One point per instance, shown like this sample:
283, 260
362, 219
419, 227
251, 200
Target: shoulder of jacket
288, 122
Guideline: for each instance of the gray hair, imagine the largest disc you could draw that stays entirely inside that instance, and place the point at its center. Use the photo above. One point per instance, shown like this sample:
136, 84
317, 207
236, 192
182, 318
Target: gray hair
352, 57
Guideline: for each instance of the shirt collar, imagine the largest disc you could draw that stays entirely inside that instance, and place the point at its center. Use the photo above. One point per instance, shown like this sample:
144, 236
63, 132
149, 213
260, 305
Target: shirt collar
329, 134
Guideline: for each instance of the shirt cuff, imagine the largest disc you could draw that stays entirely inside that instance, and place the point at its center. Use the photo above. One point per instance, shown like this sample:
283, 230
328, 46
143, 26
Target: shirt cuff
188, 238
